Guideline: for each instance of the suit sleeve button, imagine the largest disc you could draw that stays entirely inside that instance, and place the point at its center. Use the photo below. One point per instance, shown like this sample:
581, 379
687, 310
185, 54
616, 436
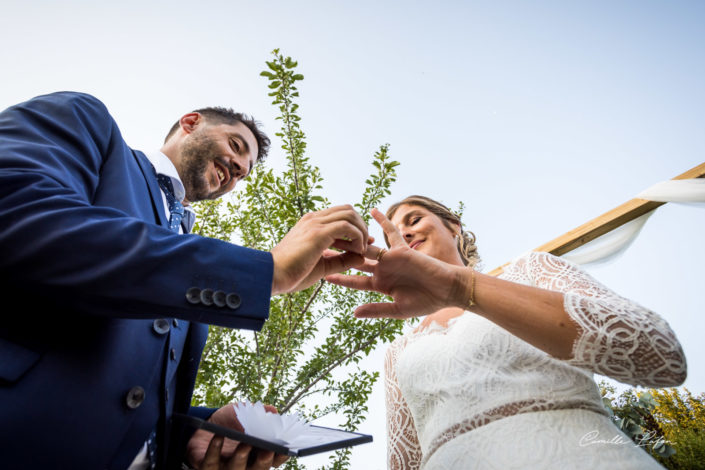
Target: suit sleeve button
134, 397
207, 296
219, 298
161, 326
193, 295
232, 300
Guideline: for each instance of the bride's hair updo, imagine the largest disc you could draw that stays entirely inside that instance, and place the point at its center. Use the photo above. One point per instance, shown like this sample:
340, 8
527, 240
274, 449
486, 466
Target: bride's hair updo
466, 240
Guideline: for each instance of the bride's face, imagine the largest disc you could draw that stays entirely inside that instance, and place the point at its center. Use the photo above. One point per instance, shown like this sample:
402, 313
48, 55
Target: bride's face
426, 232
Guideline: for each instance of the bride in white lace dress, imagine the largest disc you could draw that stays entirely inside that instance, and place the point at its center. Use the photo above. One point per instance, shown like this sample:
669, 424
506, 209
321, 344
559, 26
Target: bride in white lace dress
499, 374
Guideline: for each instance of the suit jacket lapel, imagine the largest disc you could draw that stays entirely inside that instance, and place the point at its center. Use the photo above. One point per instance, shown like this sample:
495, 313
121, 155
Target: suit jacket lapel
155, 192
187, 221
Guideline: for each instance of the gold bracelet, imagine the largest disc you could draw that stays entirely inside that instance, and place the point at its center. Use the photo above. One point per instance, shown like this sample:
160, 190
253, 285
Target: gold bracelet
471, 302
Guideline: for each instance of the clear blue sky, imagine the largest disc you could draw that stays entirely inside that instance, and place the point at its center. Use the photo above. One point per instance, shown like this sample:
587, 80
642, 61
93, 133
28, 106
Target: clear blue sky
538, 115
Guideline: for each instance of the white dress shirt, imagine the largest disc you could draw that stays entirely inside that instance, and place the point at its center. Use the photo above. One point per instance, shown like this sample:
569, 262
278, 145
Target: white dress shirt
164, 166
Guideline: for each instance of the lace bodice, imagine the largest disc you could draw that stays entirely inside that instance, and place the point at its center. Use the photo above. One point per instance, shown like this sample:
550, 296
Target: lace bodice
442, 382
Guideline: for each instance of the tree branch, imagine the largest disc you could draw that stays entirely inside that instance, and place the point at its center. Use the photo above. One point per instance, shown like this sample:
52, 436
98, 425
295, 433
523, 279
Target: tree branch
333, 365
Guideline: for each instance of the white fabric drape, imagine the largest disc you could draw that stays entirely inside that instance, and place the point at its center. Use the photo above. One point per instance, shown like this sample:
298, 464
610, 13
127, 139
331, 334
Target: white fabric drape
692, 190
610, 245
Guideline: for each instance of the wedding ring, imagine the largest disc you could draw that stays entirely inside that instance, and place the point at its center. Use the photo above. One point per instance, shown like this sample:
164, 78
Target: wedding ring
380, 254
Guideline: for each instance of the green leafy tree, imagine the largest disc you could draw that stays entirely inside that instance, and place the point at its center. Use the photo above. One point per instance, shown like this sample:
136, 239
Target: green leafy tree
306, 357
668, 424
681, 416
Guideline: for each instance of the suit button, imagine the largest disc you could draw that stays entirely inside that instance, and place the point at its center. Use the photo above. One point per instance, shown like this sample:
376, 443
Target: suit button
233, 301
207, 296
219, 298
134, 397
193, 295
161, 326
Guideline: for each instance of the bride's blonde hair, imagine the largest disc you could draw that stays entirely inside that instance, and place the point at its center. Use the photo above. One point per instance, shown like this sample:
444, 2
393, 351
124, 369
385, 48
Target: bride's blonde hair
465, 242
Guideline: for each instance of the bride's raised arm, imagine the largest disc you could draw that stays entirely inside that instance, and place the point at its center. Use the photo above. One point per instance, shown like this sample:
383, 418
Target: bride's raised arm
546, 301
615, 336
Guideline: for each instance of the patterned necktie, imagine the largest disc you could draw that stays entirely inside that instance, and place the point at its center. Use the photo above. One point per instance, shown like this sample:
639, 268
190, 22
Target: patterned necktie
175, 207
152, 450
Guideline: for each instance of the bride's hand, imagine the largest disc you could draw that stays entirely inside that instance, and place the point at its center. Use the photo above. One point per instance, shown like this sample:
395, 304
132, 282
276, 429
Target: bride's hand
419, 284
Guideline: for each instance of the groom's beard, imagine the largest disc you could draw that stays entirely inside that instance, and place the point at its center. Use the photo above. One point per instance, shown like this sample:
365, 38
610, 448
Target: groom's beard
196, 155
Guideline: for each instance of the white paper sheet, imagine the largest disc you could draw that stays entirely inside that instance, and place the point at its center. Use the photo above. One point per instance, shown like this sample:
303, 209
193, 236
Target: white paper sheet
287, 430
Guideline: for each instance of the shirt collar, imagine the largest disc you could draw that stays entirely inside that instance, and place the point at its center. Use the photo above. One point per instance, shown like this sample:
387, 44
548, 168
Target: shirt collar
163, 165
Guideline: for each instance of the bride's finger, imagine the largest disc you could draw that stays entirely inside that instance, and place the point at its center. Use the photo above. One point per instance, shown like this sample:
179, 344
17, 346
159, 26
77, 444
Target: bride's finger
354, 282
379, 310
393, 235
340, 262
374, 252
368, 266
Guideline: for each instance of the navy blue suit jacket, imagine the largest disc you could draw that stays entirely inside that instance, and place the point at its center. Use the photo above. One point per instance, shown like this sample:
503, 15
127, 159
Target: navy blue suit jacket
103, 342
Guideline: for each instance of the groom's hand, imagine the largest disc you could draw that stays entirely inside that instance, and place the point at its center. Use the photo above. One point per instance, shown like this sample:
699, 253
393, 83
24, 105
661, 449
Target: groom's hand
208, 452
303, 257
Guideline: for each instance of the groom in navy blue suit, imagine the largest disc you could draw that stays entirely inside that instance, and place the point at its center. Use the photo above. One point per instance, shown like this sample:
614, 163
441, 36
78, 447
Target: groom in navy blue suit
106, 306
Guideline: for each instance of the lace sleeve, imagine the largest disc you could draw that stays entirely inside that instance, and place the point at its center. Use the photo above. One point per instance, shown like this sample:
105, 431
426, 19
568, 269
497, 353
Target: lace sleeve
403, 450
616, 336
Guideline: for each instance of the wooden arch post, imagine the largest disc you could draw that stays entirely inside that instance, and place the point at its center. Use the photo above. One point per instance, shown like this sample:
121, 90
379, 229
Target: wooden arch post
605, 223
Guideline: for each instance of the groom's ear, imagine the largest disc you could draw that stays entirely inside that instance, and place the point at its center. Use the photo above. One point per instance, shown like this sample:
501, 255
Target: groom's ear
190, 122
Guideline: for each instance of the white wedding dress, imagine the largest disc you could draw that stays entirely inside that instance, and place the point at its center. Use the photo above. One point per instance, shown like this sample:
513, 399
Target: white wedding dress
472, 395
